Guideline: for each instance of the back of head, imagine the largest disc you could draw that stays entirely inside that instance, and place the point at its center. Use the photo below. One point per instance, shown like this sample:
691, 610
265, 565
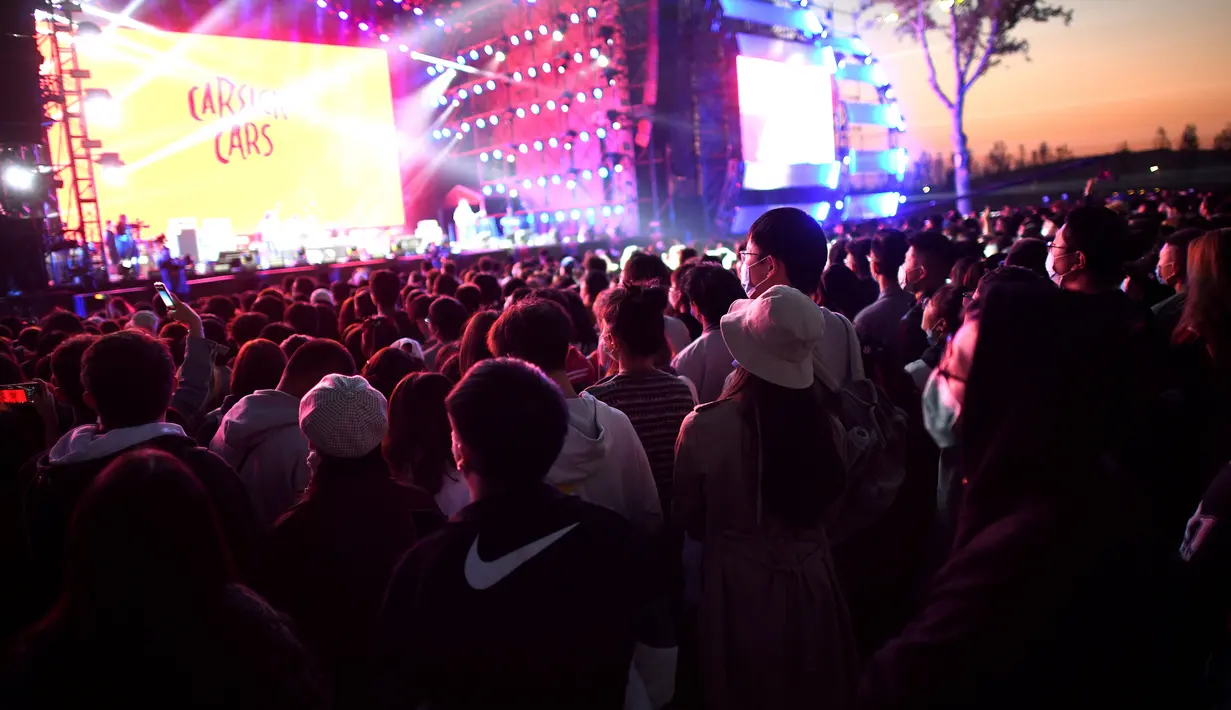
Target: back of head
311, 362
645, 269
271, 307
128, 377
859, 251
1028, 254
632, 316
934, 249
1007, 275
1102, 236
1180, 240
293, 343
888, 251
446, 285
222, 307
258, 366
66, 368
277, 332
419, 438
510, 421
62, 321
447, 317
473, 348
386, 368
489, 288
1207, 310
794, 238
248, 326
378, 332
594, 284
712, 289
143, 537
535, 330
384, 288
302, 317
470, 297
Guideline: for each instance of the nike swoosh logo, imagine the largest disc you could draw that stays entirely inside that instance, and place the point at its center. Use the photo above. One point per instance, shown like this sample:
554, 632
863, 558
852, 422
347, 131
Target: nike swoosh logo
481, 575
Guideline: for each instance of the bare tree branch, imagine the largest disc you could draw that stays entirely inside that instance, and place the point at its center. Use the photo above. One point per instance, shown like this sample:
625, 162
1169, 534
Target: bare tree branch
959, 87
922, 36
988, 50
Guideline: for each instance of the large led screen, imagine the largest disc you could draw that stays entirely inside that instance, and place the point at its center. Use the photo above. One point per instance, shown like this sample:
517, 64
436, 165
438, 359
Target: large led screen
225, 128
786, 119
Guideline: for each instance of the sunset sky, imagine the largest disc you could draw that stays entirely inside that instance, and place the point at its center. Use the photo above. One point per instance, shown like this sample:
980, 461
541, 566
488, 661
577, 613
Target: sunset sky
1118, 72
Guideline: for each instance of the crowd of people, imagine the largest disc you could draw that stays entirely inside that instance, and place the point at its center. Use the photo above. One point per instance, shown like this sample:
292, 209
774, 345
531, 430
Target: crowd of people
942, 462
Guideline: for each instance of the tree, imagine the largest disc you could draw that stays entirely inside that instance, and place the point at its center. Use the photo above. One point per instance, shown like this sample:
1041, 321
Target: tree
1124, 148
1161, 141
1044, 153
1063, 153
1222, 141
998, 160
1188, 139
977, 35
1021, 155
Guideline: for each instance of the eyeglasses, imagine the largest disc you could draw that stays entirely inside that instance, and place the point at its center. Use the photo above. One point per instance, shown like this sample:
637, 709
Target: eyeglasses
1063, 249
948, 375
746, 255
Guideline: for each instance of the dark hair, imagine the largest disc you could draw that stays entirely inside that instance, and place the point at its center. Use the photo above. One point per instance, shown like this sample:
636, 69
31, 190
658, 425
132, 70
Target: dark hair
1102, 236
712, 289
293, 343
446, 285
511, 286
950, 301
645, 270
364, 306
248, 326
837, 251
934, 248
419, 438
447, 316
967, 272
258, 366
63, 321
220, 306
1007, 275
143, 536
583, 320
326, 321
386, 368
842, 291
108, 326
469, 296
277, 332
384, 287
473, 348
1207, 309
1181, 239
273, 308
888, 249
303, 318
802, 471
595, 283
489, 289
66, 367
511, 420
28, 337
795, 239
633, 316
860, 250
131, 376
315, 359
535, 330
1029, 254
378, 332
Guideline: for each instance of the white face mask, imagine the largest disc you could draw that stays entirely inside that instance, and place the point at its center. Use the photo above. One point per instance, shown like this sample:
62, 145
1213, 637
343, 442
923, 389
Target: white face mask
902, 276
745, 279
1050, 265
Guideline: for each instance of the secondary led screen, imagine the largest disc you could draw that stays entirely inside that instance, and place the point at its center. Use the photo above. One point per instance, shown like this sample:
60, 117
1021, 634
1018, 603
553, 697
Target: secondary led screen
786, 117
225, 128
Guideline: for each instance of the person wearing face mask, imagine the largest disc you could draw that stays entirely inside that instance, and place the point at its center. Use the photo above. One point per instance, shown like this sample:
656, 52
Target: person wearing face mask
1172, 271
877, 325
941, 319
787, 247
1047, 405
926, 268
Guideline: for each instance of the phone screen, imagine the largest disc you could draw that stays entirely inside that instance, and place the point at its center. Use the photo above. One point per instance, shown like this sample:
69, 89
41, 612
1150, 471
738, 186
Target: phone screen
161, 290
14, 394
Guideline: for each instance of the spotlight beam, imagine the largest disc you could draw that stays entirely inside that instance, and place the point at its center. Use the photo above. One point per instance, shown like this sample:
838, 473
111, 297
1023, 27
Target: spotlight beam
428, 59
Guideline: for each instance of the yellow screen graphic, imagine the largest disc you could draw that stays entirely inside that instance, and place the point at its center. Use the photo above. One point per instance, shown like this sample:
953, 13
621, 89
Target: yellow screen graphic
226, 128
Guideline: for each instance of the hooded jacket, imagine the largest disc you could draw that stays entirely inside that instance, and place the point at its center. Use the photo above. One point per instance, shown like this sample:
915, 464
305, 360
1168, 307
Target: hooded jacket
260, 438
602, 462
59, 477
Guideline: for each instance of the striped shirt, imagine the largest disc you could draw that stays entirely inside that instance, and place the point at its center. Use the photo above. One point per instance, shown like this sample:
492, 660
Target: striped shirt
656, 403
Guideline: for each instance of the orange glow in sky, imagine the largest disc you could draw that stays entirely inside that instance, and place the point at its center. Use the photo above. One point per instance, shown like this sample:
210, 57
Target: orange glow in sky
1118, 72
218, 127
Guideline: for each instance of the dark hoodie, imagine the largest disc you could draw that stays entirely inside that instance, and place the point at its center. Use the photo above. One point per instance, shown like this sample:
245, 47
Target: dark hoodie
1057, 591
58, 478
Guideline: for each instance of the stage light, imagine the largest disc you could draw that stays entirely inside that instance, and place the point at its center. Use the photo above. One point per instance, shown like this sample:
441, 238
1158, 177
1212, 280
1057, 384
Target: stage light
555, 179
101, 108
606, 210
553, 142
516, 76
483, 157
480, 123
560, 216
544, 218
532, 72
584, 136
542, 29
478, 89
521, 113
442, 101
581, 98
436, 135
526, 183
488, 50
431, 71
564, 108
403, 48
619, 168
440, 22
538, 145
418, 12
551, 105
619, 209
500, 189
838, 204
363, 27
491, 84
19, 178
574, 18
494, 119
487, 190
901, 199
497, 154
514, 40
577, 57
523, 148
557, 36
474, 54
542, 182
568, 146
587, 175
571, 184
615, 125
383, 38
456, 103
560, 68
499, 56
602, 172
461, 60
322, 4
546, 68
529, 35
591, 13
598, 93
446, 132
601, 133
513, 194
461, 94
510, 158
342, 15
589, 211
534, 109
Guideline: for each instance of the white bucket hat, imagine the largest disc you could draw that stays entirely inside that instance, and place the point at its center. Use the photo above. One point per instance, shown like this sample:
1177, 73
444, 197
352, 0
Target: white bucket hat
774, 336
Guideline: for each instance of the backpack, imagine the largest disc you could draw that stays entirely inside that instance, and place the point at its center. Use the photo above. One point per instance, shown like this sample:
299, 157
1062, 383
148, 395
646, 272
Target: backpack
874, 450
